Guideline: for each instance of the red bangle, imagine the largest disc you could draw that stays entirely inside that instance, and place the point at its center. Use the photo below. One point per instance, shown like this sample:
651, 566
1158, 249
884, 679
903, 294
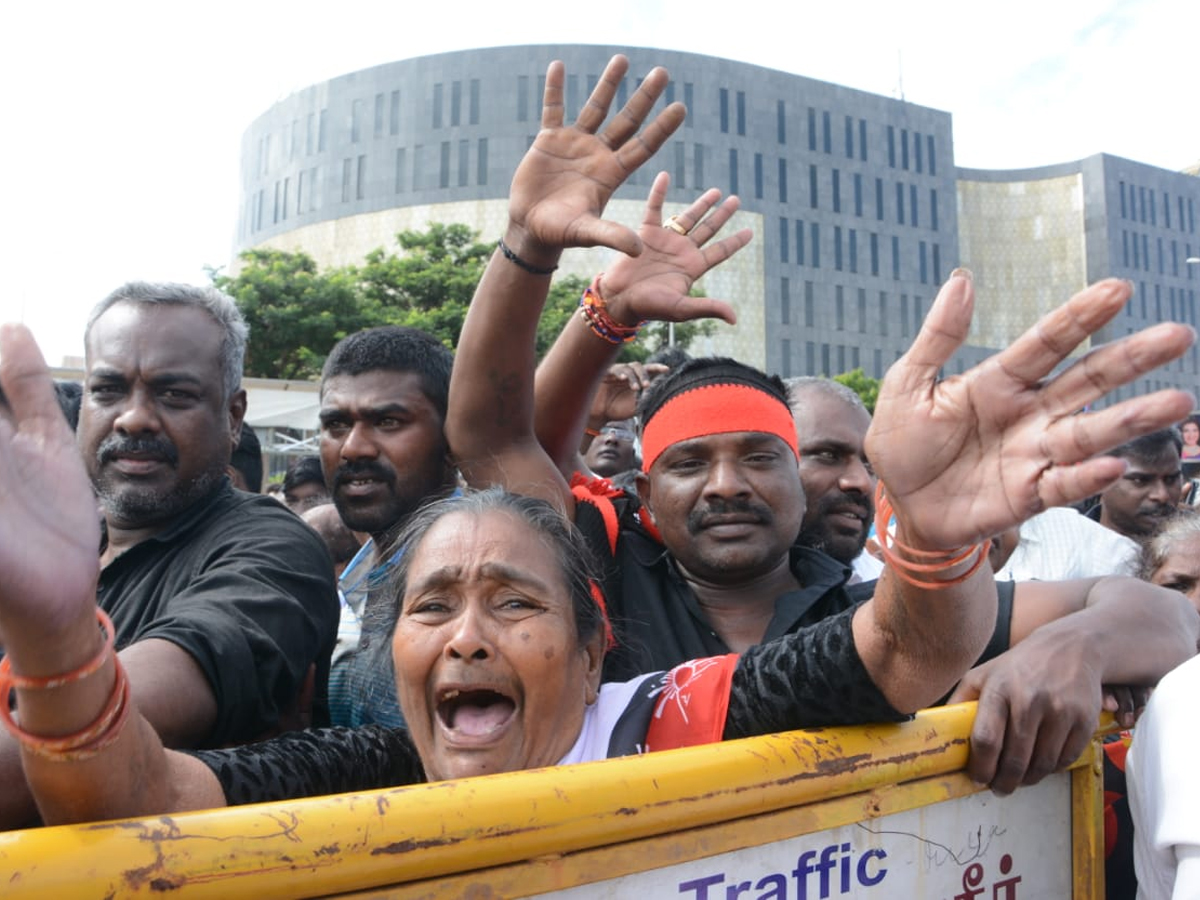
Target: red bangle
591, 432
938, 560
90, 667
86, 742
594, 311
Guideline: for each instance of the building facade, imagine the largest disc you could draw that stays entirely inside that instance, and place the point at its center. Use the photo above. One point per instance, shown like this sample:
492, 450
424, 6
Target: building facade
858, 210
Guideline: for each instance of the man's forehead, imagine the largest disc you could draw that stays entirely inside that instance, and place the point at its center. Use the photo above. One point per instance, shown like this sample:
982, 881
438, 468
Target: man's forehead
714, 442
167, 335
377, 388
1166, 463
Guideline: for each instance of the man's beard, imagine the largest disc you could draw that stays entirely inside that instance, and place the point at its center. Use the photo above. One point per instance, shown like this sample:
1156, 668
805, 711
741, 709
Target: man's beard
820, 536
133, 505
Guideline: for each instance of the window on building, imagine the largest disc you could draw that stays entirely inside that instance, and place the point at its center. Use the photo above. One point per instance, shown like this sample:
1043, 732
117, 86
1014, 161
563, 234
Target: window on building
836, 191
481, 162
810, 304
858, 194
1121, 188
401, 158
455, 103
785, 300
698, 164
473, 102
826, 133
321, 122
879, 199
347, 179
862, 313
310, 126
444, 165
438, 100
913, 216
812, 129
899, 203
783, 193
874, 242
741, 113
687, 101
877, 363
287, 184
300, 192
837, 247
464, 163
933, 209
937, 264
812, 187
839, 308
379, 104
360, 179
904, 148
680, 165
810, 358
394, 114
814, 242
895, 258
785, 357
522, 98
849, 137
825, 367
780, 122
275, 208
852, 249
904, 315
1166, 210
862, 139
758, 176
799, 243
932, 158
356, 117
785, 240
923, 262
723, 95
883, 313
917, 154
733, 171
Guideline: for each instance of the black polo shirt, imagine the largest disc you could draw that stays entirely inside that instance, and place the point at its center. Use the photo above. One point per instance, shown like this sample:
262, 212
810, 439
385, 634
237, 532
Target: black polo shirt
247, 589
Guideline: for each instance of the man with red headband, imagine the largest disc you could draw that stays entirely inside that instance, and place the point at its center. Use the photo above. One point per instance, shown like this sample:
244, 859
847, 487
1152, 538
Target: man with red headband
708, 565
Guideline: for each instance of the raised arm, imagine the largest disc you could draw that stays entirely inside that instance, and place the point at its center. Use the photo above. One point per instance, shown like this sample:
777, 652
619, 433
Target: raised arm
652, 285
966, 457
49, 532
558, 194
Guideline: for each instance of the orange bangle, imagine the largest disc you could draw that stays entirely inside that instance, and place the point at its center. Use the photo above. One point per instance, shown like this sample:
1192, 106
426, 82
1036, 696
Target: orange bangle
90, 667
938, 560
591, 432
86, 742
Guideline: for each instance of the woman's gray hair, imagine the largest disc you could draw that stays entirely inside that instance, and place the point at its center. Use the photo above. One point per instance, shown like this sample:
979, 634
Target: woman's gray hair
219, 305
1183, 525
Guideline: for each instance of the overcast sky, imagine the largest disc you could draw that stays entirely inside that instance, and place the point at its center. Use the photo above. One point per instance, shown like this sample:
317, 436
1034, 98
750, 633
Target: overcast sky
123, 120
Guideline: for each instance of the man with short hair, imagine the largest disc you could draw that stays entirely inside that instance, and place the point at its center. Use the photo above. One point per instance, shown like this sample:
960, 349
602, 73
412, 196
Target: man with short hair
222, 602
246, 464
839, 486
304, 485
1148, 493
613, 449
383, 404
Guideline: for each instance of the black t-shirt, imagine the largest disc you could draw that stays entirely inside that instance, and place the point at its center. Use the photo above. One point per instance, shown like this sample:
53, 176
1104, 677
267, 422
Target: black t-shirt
247, 589
657, 620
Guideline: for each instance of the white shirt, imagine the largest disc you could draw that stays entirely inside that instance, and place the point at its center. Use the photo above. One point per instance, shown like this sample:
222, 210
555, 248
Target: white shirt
1163, 780
1059, 544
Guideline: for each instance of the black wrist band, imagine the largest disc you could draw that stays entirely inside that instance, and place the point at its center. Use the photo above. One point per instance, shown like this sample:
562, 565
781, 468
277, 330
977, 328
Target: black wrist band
516, 260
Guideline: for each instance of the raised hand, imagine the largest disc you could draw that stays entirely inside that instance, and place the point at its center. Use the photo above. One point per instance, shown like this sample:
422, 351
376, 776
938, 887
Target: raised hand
566, 178
965, 458
49, 524
655, 284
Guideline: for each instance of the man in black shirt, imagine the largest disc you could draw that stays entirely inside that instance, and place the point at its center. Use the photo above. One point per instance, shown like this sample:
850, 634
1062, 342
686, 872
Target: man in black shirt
223, 602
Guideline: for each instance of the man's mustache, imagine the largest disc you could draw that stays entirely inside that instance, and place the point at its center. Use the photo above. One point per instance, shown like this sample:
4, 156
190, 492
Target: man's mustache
159, 447
360, 469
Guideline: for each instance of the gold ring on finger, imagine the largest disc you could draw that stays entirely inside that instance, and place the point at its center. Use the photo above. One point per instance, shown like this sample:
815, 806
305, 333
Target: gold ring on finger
676, 225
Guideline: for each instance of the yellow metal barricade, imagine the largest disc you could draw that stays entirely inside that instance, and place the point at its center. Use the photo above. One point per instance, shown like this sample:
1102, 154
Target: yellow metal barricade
873, 811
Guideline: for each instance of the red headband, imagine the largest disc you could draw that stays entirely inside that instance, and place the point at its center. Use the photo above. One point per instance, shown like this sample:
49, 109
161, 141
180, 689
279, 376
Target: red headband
716, 409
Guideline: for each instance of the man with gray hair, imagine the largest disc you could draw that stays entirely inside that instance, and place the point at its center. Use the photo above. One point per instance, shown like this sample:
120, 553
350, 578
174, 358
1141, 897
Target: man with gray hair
831, 427
223, 603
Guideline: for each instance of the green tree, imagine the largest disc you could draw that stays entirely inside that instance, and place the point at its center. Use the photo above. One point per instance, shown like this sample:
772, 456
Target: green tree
296, 314
429, 284
862, 384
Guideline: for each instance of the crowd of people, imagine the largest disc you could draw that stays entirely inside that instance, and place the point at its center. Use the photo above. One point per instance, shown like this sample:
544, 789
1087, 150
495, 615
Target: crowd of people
531, 559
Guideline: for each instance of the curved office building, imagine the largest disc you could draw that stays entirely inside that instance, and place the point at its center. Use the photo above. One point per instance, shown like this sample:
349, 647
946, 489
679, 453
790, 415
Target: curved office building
854, 198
